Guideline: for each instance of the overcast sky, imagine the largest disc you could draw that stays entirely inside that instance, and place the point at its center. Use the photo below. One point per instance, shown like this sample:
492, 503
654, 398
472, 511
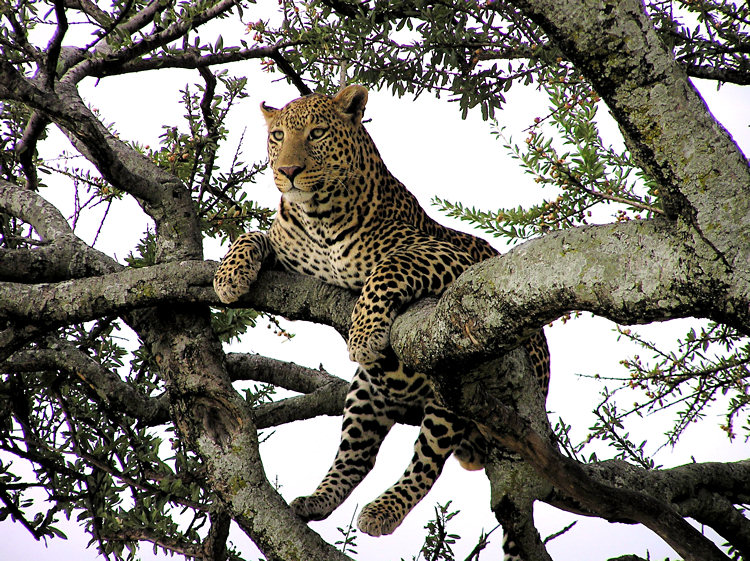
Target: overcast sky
434, 152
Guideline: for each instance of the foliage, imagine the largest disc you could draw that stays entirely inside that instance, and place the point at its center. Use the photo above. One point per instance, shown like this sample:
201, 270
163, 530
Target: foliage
348, 541
566, 155
709, 364
438, 542
118, 478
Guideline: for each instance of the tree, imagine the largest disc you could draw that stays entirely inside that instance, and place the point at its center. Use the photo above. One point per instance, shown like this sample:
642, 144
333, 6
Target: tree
94, 419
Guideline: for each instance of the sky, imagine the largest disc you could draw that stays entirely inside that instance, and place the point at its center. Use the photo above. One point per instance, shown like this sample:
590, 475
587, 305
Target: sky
435, 153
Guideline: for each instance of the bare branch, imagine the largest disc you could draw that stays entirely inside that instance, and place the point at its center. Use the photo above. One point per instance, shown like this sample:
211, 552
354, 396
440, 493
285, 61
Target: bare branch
55, 44
280, 373
215, 544
207, 147
328, 400
290, 72
26, 147
91, 10
326, 393
723, 75
187, 59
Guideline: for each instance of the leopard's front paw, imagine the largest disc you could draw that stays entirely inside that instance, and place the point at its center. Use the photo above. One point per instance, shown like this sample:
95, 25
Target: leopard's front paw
377, 520
311, 507
366, 347
234, 280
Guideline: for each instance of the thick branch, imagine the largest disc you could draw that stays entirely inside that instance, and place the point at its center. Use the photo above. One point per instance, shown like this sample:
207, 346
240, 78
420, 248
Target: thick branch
113, 294
32, 208
327, 400
217, 424
325, 393
515, 433
287, 375
296, 297
704, 176
705, 492
634, 272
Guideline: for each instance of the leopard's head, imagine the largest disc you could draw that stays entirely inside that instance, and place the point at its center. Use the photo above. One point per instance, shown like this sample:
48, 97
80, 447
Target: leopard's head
314, 142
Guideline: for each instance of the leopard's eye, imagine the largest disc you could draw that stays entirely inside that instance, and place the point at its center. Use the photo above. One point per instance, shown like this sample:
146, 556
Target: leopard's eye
317, 133
277, 135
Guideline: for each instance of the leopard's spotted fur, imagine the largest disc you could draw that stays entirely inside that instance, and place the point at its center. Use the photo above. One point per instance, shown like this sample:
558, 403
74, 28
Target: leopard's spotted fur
344, 219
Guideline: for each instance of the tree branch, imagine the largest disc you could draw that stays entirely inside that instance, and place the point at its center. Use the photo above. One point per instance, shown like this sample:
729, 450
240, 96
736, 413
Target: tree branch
515, 433
64, 256
160, 38
720, 514
647, 93
608, 270
216, 422
723, 75
327, 400
703, 491
112, 294
104, 386
161, 194
290, 72
26, 147
189, 59
287, 375
55, 44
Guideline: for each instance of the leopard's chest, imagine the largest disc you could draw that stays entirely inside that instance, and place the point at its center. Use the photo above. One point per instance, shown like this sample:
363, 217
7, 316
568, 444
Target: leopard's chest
341, 254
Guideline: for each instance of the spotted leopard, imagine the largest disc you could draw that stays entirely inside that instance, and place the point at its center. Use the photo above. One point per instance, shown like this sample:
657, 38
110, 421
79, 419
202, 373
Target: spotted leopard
344, 219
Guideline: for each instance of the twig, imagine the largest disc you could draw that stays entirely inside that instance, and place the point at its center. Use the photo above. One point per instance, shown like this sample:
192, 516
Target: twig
55, 45
560, 533
287, 69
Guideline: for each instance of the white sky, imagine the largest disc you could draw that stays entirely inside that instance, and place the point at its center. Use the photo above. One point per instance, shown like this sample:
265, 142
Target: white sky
434, 152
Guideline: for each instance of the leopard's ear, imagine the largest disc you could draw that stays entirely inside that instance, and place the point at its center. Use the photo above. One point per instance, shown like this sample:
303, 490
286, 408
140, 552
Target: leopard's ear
351, 102
269, 113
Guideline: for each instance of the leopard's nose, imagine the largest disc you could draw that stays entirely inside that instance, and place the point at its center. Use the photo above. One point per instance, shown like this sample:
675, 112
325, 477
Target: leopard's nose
291, 171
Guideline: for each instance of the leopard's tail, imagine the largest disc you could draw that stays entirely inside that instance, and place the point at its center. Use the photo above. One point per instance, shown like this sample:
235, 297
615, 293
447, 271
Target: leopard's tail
510, 549
521, 540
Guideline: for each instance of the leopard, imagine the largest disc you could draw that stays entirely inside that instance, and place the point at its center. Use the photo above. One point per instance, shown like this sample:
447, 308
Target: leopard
344, 219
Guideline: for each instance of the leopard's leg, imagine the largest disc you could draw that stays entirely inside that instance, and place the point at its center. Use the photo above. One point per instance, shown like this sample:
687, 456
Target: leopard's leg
439, 435
240, 266
427, 266
367, 419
